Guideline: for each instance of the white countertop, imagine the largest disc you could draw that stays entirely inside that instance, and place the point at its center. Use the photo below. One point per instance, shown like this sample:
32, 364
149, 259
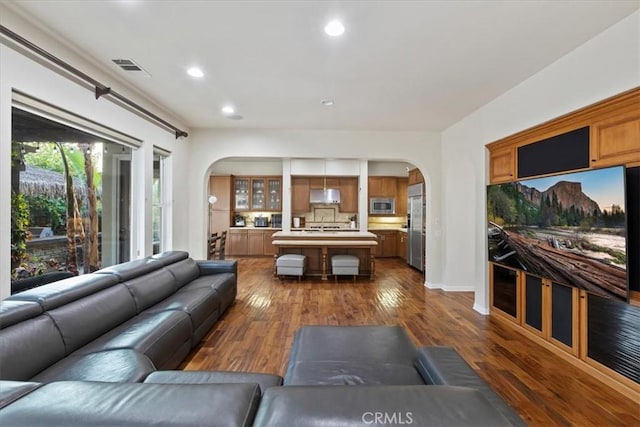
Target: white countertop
304, 234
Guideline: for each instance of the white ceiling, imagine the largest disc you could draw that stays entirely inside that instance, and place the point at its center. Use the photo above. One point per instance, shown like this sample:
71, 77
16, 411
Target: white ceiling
401, 65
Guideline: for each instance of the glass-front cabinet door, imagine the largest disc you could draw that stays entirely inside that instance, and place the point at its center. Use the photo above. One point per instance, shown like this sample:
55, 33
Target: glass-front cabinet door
257, 194
241, 193
274, 195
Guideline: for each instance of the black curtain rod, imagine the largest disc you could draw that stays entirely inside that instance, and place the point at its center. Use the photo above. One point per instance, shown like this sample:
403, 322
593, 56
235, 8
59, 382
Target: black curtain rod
100, 89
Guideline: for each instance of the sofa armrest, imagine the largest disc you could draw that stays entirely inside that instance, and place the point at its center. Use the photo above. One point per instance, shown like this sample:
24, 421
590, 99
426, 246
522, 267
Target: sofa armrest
440, 365
10, 391
217, 267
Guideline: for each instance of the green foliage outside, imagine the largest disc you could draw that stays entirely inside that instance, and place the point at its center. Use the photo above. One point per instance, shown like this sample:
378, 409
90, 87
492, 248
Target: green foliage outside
19, 229
48, 157
48, 212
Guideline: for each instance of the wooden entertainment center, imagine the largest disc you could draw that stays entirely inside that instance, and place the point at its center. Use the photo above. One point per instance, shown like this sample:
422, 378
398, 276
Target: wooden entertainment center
598, 334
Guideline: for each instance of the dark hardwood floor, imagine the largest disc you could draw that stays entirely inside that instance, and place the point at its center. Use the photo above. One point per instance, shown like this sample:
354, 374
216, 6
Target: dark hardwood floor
257, 331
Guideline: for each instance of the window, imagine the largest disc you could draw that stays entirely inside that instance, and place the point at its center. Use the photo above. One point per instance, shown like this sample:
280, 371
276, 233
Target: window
158, 194
71, 194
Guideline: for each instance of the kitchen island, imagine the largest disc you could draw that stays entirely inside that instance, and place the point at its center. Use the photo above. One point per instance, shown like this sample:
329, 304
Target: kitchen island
320, 246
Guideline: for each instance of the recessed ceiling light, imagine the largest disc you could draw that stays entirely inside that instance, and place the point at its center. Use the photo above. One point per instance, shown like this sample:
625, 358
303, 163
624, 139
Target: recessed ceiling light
228, 109
327, 102
195, 72
334, 28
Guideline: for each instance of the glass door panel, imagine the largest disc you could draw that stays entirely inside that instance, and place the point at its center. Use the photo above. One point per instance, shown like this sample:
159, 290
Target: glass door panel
274, 203
241, 193
257, 194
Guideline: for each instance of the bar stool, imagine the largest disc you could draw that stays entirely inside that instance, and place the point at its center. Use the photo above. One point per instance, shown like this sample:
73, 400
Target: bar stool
342, 265
291, 265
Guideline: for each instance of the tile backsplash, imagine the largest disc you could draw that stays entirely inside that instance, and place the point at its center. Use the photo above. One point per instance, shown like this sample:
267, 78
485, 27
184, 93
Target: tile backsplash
326, 214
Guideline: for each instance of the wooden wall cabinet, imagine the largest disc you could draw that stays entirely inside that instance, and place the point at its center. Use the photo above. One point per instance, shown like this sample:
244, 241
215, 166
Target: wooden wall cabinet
382, 186
348, 195
415, 177
300, 195
324, 182
220, 212
257, 194
502, 165
615, 141
401, 196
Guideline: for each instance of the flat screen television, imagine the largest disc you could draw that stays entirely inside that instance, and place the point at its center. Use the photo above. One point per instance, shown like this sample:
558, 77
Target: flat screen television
570, 228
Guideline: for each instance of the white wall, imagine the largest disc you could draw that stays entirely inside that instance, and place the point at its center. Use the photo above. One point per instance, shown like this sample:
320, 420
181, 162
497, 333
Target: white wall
604, 66
22, 73
421, 149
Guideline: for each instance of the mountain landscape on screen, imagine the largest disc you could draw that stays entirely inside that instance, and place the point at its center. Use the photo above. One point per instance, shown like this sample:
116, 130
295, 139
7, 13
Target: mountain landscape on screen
569, 228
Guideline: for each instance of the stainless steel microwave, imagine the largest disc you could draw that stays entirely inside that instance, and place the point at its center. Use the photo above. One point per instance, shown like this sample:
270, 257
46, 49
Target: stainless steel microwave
382, 205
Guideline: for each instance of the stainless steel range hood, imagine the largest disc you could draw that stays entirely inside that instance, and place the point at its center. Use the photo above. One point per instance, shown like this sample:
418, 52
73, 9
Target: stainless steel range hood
329, 195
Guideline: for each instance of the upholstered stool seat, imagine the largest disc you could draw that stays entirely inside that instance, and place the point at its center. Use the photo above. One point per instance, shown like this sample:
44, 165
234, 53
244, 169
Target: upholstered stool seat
344, 265
291, 265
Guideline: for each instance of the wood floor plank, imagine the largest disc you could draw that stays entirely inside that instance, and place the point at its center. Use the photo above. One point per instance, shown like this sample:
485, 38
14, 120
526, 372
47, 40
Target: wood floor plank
256, 334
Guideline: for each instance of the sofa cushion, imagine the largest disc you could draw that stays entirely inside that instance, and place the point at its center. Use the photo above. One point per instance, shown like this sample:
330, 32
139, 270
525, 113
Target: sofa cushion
28, 347
65, 291
134, 404
225, 284
201, 304
12, 312
164, 337
151, 288
443, 365
352, 355
11, 391
329, 372
184, 271
346, 406
214, 377
84, 320
170, 257
122, 365
132, 269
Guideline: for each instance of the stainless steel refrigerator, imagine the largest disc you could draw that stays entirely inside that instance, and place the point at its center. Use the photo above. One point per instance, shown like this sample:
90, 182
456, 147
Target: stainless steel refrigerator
415, 226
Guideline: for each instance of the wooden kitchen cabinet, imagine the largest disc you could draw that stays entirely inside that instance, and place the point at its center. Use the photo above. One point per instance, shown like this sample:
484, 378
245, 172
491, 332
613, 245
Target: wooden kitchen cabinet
257, 194
267, 243
348, 194
300, 195
255, 242
615, 141
502, 165
402, 245
401, 196
323, 182
415, 177
236, 242
382, 186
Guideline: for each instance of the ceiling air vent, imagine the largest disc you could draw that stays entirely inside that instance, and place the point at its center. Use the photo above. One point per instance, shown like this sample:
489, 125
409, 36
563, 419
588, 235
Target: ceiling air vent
129, 65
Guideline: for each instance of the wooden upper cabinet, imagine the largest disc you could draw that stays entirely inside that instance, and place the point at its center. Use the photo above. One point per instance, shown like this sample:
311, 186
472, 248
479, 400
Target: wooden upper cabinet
401, 196
382, 186
300, 195
415, 177
615, 141
348, 194
502, 165
220, 186
323, 182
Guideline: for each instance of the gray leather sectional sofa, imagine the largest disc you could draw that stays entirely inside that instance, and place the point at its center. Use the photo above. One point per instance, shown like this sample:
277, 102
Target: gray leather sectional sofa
100, 349
118, 324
